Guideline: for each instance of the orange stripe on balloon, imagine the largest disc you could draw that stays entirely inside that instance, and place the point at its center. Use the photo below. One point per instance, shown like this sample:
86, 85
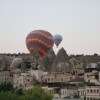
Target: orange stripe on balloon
40, 33
40, 41
42, 51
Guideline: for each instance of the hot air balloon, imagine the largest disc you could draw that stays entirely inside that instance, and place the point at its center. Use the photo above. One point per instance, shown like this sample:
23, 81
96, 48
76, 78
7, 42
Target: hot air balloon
57, 39
41, 40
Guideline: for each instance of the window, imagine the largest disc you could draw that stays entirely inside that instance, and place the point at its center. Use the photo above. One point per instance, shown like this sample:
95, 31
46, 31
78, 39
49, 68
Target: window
87, 91
61, 79
90, 98
87, 98
73, 72
97, 91
91, 91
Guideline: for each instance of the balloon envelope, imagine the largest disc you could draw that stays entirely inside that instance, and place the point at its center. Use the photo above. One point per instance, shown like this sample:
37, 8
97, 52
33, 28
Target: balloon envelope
40, 40
57, 39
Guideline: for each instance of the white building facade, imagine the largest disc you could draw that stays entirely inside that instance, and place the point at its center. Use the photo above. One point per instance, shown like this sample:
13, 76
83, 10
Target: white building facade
92, 92
24, 81
38, 74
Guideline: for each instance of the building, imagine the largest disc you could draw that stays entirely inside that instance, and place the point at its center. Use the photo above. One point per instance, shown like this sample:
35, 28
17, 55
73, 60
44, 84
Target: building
78, 69
92, 92
77, 80
69, 92
71, 77
24, 81
92, 75
5, 77
55, 91
82, 92
38, 74
56, 78
66, 92
62, 67
91, 65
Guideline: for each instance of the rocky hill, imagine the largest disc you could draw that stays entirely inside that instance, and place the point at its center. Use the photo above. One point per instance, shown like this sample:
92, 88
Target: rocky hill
51, 61
61, 57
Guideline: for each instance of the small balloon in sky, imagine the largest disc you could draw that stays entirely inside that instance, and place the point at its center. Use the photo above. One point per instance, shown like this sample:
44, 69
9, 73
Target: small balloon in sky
57, 39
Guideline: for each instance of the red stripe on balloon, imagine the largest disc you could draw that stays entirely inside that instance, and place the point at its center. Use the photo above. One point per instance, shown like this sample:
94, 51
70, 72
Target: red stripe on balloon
40, 41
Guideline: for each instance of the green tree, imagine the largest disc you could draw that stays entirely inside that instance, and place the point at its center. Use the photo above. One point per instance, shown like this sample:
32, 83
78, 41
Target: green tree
89, 84
81, 84
8, 96
19, 91
37, 93
6, 87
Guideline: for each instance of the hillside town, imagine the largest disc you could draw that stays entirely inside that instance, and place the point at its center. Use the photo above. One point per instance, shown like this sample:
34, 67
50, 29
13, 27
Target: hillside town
66, 77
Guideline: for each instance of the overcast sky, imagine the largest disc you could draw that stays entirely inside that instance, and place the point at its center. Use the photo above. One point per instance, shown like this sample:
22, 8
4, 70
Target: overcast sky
78, 21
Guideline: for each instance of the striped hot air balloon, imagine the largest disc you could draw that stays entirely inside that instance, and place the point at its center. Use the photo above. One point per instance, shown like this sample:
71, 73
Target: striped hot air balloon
40, 40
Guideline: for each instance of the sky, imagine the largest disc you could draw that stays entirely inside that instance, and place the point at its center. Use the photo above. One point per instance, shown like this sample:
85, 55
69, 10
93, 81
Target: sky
78, 22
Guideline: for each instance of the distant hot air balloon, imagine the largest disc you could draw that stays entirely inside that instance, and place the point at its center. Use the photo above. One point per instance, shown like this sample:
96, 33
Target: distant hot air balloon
41, 40
57, 39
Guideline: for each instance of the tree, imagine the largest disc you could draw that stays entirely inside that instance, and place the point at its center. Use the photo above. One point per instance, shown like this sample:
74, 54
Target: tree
95, 54
19, 91
81, 84
37, 93
8, 96
6, 87
89, 84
